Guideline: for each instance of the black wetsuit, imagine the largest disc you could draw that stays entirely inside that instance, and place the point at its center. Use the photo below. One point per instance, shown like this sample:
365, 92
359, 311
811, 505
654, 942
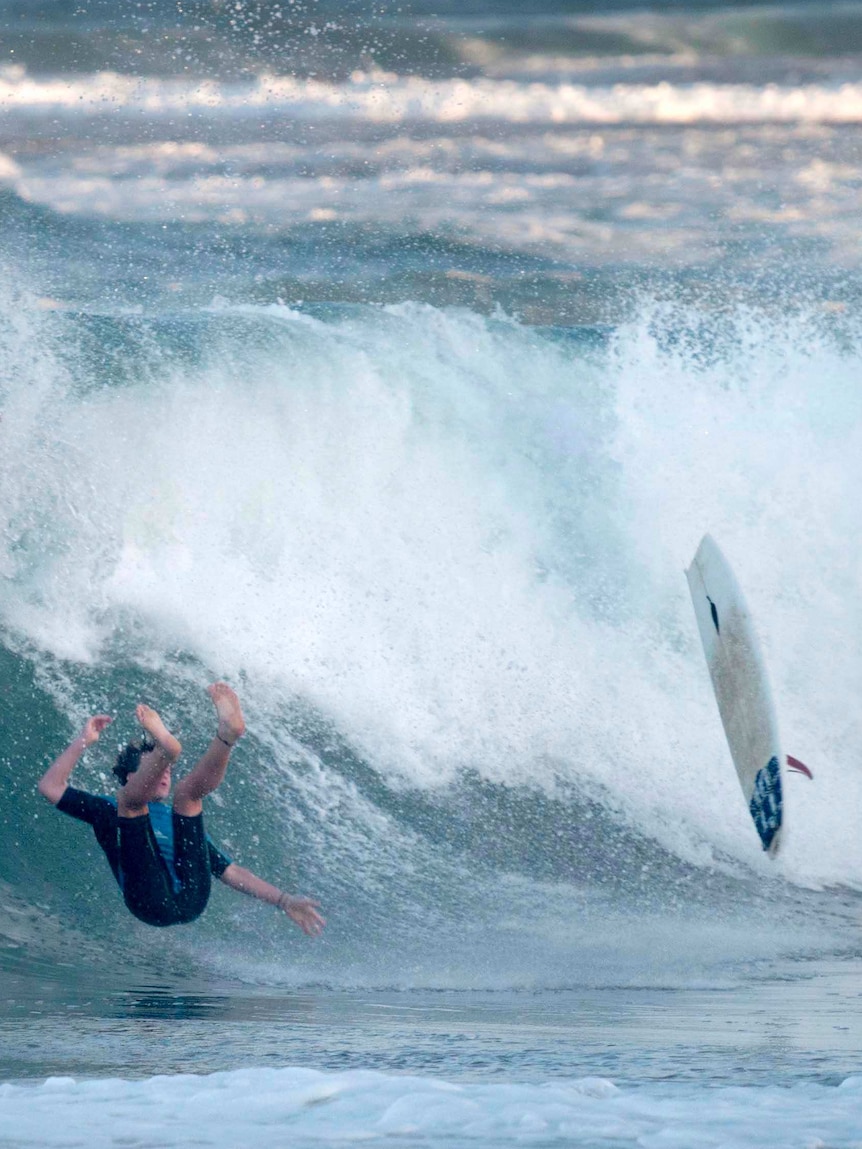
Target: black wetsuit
162, 861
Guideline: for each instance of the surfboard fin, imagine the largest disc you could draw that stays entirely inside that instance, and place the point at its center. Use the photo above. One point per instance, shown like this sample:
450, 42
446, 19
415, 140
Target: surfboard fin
798, 767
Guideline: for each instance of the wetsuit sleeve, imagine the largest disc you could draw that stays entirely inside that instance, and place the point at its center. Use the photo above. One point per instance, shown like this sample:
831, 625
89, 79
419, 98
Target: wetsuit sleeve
219, 862
86, 807
101, 813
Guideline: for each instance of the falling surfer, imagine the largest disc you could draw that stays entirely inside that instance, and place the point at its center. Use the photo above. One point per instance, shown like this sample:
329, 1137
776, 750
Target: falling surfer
162, 857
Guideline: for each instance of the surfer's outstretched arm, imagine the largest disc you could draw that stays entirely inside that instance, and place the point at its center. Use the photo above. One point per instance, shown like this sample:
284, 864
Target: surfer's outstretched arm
302, 911
53, 783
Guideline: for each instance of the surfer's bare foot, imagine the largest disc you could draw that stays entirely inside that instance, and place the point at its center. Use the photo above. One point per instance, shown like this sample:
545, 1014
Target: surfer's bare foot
231, 725
152, 723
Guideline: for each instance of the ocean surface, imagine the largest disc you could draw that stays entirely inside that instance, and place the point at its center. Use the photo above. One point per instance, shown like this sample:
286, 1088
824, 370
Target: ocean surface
389, 360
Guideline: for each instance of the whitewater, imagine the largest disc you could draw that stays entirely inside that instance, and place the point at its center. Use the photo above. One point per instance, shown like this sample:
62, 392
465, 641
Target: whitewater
391, 369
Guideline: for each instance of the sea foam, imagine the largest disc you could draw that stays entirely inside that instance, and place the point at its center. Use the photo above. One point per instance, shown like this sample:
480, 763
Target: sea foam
386, 98
266, 1107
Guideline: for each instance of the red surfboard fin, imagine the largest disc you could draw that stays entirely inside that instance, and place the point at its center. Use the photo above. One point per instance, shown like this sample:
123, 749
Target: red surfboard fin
798, 767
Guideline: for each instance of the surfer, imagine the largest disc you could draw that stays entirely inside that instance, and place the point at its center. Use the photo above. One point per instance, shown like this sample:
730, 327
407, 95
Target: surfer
162, 858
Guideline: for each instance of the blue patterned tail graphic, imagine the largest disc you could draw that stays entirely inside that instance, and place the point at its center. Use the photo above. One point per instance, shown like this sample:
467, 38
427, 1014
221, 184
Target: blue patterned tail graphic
765, 804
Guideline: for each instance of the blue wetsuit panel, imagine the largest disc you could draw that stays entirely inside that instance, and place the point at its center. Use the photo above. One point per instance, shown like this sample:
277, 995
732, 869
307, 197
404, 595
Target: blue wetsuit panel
101, 813
162, 821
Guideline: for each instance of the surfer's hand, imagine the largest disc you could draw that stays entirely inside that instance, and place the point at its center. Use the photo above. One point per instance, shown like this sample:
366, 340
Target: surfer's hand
93, 727
302, 911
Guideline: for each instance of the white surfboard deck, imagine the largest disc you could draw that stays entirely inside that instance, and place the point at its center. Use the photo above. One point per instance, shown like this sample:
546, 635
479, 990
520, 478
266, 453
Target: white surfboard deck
742, 689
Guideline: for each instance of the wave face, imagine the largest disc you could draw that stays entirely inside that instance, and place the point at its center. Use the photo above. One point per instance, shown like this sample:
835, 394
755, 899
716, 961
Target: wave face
441, 557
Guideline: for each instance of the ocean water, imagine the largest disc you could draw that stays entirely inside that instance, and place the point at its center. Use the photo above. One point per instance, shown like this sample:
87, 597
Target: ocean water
389, 361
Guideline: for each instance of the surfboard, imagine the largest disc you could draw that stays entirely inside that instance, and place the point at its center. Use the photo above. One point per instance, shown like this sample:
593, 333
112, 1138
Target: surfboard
742, 689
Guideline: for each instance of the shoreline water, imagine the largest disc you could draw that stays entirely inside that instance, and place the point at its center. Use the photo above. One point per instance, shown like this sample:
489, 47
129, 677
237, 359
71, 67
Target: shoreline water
786, 1023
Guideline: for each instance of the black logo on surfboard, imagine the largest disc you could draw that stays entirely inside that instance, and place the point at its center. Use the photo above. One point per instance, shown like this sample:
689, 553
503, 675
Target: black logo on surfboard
713, 610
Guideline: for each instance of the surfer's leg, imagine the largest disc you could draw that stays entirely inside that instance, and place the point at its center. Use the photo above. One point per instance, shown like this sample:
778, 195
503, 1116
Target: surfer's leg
208, 772
142, 786
150, 779
192, 864
146, 884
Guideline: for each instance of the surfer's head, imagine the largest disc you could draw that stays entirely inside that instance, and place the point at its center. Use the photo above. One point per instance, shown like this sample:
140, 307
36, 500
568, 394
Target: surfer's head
129, 758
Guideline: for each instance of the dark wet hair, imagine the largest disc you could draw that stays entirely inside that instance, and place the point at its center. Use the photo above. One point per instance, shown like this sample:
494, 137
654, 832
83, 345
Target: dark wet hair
129, 758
